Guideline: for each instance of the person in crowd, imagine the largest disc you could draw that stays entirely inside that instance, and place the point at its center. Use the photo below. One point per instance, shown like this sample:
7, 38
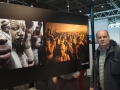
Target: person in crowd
35, 44
29, 26
37, 31
69, 46
62, 56
80, 49
71, 78
49, 50
105, 72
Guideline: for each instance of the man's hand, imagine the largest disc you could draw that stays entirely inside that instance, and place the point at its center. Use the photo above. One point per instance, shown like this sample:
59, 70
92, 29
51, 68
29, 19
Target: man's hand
91, 89
76, 74
54, 79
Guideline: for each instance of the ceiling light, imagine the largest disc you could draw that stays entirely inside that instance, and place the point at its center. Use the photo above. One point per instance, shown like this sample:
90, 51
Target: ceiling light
67, 5
102, 6
80, 11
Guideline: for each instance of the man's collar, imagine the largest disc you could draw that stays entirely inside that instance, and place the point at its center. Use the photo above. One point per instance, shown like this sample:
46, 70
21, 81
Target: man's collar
99, 48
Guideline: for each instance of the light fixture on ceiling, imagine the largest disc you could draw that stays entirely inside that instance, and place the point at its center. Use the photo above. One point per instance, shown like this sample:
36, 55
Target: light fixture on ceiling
80, 11
67, 5
102, 6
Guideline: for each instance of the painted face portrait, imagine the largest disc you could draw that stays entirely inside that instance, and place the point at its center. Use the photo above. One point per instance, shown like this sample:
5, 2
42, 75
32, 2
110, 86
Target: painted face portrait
5, 48
17, 32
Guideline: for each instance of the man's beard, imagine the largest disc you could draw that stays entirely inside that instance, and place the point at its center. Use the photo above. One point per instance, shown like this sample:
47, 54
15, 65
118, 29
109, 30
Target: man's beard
19, 42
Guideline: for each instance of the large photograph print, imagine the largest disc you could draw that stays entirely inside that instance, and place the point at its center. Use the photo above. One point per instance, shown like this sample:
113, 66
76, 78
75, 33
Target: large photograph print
37, 44
65, 42
20, 42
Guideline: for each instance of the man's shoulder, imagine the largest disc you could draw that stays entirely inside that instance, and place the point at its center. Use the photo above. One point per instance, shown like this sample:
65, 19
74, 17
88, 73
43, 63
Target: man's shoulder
117, 48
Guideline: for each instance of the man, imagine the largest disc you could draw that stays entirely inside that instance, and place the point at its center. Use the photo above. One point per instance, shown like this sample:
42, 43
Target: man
18, 41
105, 73
71, 78
62, 56
37, 31
5, 50
35, 44
7, 56
49, 50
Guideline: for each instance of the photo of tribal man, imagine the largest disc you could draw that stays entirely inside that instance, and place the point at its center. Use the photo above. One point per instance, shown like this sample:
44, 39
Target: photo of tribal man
20, 43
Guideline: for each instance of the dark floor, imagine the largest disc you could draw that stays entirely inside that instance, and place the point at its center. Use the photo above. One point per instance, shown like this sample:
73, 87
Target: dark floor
41, 86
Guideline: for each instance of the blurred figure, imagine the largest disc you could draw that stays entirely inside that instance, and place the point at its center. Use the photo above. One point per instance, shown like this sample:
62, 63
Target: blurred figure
70, 50
49, 50
71, 78
80, 49
35, 40
37, 31
81, 79
29, 26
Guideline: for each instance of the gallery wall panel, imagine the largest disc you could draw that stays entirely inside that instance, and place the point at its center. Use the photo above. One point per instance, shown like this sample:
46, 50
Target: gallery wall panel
20, 68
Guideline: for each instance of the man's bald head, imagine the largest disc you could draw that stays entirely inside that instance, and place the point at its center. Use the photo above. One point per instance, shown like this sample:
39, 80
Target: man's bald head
103, 31
103, 39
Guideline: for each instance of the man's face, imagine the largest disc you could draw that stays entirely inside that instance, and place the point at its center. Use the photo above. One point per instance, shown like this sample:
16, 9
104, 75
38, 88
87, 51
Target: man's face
62, 49
17, 31
103, 38
5, 48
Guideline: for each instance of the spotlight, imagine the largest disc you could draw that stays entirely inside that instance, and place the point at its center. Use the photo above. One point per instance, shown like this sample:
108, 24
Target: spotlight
67, 5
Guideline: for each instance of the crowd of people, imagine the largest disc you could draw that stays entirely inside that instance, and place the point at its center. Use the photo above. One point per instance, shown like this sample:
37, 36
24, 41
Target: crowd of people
65, 46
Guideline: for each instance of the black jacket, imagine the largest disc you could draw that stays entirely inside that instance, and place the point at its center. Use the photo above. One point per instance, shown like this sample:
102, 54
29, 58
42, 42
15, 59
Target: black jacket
111, 68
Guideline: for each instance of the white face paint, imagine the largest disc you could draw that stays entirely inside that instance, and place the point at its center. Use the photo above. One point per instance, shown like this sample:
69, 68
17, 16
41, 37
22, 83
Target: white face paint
5, 25
17, 31
5, 48
37, 44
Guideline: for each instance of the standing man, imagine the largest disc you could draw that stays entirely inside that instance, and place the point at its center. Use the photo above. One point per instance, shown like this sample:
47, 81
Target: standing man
105, 73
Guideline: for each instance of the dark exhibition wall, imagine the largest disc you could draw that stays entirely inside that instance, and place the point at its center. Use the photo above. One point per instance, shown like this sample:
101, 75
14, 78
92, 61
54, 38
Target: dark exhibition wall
22, 61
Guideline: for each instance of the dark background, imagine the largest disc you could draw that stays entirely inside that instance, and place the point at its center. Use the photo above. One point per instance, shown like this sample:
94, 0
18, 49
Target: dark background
10, 78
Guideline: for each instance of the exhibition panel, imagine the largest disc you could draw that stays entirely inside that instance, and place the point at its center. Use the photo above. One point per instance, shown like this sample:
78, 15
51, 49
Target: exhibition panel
37, 44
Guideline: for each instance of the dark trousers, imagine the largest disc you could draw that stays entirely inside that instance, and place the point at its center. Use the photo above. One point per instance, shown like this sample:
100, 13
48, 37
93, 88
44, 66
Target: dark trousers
62, 82
81, 80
